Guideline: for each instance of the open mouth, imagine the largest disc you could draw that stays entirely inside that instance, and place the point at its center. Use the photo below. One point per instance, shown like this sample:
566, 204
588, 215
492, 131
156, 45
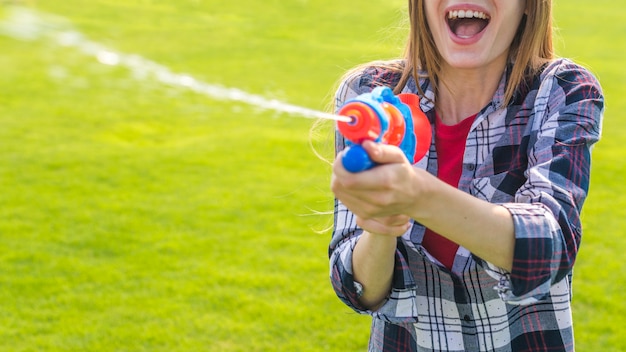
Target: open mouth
467, 23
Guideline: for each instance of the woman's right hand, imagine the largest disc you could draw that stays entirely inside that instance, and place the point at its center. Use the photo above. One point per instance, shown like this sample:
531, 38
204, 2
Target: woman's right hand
378, 197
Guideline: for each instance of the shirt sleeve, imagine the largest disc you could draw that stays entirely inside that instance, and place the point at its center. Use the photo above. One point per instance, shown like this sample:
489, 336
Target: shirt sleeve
400, 306
546, 213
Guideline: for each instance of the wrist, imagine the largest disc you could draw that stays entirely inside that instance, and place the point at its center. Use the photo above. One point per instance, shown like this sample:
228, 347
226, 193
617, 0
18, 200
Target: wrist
373, 246
427, 196
389, 227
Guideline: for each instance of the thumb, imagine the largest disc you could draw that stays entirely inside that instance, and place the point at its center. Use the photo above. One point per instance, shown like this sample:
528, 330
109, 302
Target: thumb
384, 153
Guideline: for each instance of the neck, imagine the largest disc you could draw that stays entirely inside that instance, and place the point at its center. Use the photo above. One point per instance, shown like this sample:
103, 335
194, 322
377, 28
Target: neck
464, 92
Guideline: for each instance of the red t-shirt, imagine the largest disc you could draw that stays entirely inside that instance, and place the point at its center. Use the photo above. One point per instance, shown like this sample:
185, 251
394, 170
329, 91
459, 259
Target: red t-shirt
450, 145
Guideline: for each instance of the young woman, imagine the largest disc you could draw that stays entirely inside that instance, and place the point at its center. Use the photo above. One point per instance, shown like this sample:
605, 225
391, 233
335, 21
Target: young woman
471, 248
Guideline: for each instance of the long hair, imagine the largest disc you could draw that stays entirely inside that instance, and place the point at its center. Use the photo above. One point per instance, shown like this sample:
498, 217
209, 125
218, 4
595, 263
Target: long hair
531, 47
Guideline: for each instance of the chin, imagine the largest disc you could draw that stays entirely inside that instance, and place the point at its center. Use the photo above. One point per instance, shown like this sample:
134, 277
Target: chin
466, 63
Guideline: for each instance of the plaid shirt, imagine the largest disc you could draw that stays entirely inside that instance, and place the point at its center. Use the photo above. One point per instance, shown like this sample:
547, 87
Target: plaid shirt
532, 157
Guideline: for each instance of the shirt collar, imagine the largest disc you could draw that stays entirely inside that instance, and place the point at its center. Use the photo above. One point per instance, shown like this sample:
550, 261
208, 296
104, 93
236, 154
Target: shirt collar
427, 100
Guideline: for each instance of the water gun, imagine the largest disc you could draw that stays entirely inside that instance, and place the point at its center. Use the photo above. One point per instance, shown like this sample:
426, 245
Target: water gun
383, 117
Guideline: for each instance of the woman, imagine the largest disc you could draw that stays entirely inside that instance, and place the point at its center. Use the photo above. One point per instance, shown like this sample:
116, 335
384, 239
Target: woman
471, 248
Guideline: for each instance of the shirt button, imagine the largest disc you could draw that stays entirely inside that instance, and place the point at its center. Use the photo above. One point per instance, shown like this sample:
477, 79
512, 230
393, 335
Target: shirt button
470, 167
467, 318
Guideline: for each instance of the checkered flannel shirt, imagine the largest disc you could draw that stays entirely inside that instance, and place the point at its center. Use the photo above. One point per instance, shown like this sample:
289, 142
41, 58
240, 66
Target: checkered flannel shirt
532, 157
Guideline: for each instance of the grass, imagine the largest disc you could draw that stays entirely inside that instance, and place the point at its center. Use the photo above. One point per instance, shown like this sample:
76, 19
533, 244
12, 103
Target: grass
599, 308
140, 217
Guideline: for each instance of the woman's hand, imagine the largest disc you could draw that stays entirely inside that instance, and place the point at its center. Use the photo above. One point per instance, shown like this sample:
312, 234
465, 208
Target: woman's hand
379, 197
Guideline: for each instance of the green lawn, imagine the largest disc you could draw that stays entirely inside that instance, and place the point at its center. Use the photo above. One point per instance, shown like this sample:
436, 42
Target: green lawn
136, 216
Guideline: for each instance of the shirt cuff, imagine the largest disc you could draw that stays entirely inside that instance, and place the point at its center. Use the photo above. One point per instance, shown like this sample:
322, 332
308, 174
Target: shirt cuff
537, 234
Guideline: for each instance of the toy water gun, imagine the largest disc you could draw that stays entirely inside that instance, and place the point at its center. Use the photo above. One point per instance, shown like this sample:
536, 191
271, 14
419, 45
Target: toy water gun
383, 117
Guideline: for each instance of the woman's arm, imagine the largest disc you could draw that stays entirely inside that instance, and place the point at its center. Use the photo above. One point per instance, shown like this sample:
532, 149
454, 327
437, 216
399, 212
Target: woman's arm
373, 264
386, 197
394, 189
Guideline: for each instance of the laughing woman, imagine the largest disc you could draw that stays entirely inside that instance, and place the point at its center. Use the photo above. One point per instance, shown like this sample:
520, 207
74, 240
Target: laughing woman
471, 248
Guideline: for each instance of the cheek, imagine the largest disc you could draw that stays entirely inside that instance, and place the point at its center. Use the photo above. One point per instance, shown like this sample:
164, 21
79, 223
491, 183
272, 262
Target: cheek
433, 23
506, 35
438, 29
508, 31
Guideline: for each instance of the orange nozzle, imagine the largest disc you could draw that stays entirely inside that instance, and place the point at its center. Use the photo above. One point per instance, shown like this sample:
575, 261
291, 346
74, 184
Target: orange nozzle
397, 127
365, 124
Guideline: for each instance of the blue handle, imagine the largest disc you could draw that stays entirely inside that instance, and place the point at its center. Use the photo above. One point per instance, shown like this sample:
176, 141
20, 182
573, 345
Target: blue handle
355, 159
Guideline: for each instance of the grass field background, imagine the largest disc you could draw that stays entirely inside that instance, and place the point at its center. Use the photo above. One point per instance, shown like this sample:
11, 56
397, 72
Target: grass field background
136, 216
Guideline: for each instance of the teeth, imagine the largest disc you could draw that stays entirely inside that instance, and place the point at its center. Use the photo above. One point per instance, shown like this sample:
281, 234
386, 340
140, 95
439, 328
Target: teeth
467, 14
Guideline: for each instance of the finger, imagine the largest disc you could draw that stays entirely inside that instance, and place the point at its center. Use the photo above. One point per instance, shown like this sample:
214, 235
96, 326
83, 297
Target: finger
344, 180
364, 202
376, 227
383, 153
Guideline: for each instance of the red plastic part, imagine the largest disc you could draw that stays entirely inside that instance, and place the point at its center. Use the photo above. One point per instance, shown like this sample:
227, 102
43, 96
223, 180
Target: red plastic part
421, 125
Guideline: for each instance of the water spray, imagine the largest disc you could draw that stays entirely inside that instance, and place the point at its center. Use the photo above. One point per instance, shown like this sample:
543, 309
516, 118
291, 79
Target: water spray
27, 24
379, 116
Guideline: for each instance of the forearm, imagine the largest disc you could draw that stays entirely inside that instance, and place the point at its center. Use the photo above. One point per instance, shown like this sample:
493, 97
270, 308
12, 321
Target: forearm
485, 229
373, 264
